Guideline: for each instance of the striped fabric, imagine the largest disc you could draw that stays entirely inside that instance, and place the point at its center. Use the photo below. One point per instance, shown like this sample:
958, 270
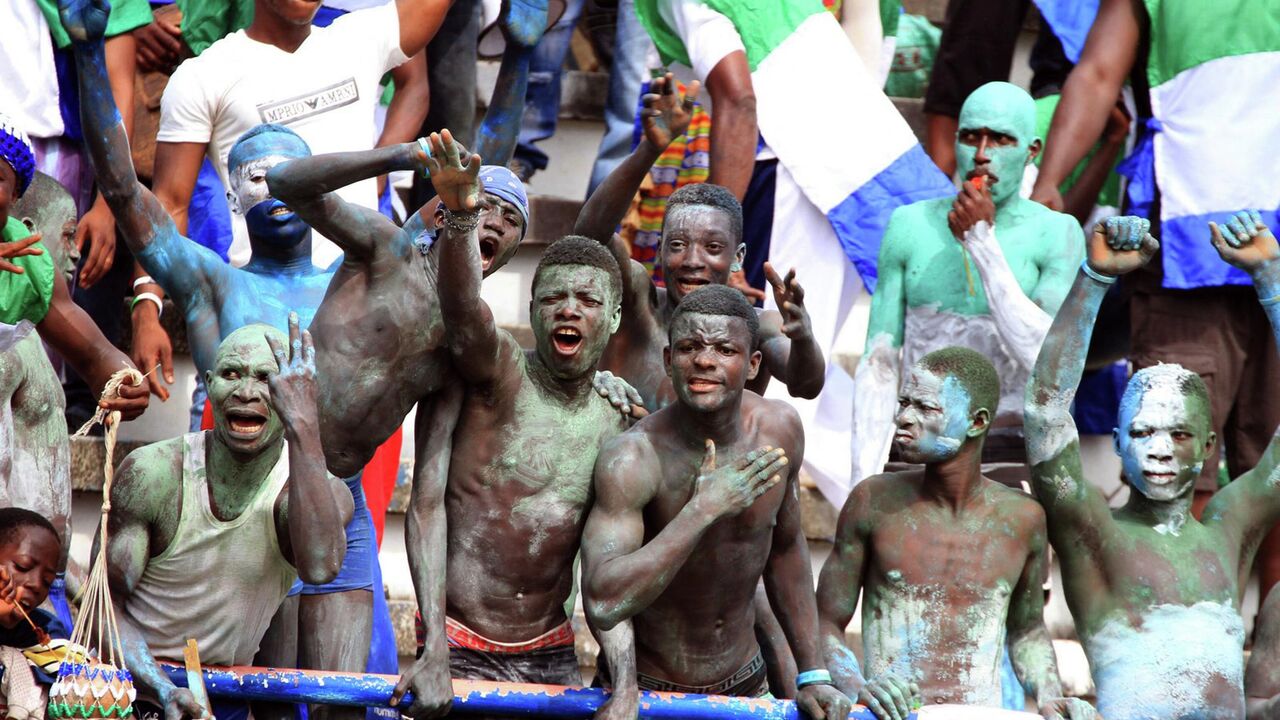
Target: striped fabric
1214, 76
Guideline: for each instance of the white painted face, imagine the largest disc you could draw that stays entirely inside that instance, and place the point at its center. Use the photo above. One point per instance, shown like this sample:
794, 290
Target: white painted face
1161, 441
933, 419
249, 182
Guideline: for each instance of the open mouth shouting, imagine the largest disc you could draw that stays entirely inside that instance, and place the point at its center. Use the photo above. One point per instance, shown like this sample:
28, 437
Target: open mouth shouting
245, 423
566, 340
1159, 477
488, 251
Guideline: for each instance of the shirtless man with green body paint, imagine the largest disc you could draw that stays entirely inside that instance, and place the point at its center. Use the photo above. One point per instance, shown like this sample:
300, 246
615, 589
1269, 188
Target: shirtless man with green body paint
986, 270
948, 563
1155, 593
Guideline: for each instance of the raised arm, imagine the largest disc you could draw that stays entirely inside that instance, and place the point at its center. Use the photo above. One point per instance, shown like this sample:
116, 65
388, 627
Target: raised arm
665, 117
734, 132
1253, 505
1118, 246
135, 504
1088, 96
522, 23
788, 580
789, 350
471, 333
316, 507
307, 185
426, 535
622, 576
182, 267
875, 382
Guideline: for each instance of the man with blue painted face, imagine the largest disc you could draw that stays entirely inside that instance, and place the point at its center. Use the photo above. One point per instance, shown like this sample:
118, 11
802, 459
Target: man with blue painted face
949, 563
218, 299
985, 270
1155, 593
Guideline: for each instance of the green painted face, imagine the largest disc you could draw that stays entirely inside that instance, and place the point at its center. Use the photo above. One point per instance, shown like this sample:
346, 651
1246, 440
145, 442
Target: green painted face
243, 418
997, 131
573, 312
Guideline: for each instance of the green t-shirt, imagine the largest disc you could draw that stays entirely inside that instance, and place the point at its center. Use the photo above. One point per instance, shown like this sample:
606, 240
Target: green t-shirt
913, 57
25, 296
125, 16
205, 22
1109, 195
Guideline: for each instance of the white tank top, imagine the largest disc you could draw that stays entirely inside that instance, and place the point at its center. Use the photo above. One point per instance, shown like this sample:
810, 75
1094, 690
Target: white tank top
218, 582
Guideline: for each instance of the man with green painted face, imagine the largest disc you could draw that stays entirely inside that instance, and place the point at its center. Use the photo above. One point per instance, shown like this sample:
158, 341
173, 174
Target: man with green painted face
985, 270
1155, 593
949, 563
529, 428
237, 512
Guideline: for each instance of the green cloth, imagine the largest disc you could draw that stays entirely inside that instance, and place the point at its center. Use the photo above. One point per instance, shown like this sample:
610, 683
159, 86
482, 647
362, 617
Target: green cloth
762, 24
25, 296
890, 16
125, 16
205, 22
1109, 195
1187, 33
913, 57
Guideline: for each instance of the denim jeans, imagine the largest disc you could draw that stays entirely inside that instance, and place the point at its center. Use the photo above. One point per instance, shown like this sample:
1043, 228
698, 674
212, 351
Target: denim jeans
629, 71
542, 98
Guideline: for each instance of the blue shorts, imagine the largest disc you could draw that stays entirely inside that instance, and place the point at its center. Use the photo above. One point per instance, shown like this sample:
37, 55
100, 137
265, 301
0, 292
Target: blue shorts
357, 566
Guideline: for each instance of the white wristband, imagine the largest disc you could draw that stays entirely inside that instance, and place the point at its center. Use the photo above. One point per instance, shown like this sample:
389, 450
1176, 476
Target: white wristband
148, 296
144, 280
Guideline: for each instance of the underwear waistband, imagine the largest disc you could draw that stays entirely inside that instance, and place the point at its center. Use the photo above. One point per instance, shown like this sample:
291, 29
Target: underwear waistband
461, 636
751, 680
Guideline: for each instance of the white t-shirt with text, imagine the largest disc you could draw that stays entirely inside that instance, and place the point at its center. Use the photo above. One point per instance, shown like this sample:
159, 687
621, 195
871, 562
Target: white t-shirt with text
326, 91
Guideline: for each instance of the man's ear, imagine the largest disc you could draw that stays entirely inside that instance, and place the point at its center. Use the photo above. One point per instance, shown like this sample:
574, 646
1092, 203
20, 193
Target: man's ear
233, 201
208, 378
1033, 150
740, 255
666, 359
979, 423
1210, 442
754, 369
616, 319
1115, 440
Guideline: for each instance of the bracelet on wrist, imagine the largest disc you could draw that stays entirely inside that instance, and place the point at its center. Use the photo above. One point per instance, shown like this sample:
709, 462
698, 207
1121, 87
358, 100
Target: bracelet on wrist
144, 280
1104, 279
813, 677
151, 297
461, 222
1268, 302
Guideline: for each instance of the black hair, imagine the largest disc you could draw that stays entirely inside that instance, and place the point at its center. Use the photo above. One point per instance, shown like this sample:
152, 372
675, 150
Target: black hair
716, 196
972, 369
13, 519
718, 300
579, 250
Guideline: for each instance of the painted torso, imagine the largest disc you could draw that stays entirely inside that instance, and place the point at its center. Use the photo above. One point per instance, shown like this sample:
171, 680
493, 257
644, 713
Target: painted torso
379, 349
1160, 623
700, 629
937, 587
519, 487
940, 309
35, 458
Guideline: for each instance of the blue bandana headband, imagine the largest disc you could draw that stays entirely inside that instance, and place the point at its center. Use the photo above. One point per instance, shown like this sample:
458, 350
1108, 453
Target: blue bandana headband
501, 182
15, 149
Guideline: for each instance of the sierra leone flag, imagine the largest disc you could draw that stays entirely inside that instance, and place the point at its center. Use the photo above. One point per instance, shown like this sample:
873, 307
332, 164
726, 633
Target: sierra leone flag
825, 117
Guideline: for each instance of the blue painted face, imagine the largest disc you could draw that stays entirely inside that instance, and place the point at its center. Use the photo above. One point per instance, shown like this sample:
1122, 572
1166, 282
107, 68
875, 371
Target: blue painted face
1162, 439
933, 418
269, 221
997, 136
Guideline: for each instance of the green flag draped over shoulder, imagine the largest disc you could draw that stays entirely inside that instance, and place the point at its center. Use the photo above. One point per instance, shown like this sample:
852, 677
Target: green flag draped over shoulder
25, 296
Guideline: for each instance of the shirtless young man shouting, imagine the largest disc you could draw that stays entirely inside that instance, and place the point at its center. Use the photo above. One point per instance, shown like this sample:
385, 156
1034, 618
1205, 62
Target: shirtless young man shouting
694, 505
